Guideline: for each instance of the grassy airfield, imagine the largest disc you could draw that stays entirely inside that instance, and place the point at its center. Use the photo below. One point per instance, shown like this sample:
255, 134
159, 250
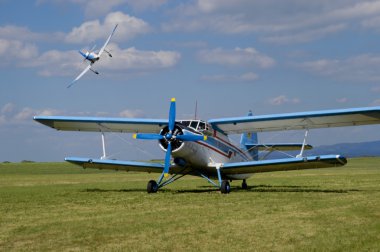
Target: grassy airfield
57, 206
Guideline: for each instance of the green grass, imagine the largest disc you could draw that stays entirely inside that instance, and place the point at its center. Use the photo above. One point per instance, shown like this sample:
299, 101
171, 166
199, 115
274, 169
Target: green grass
57, 206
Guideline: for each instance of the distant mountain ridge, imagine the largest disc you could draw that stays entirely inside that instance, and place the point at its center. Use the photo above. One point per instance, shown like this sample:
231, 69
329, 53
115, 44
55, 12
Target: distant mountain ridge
364, 149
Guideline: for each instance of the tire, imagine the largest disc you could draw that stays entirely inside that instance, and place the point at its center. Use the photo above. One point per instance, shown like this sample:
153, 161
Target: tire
244, 185
152, 187
225, 188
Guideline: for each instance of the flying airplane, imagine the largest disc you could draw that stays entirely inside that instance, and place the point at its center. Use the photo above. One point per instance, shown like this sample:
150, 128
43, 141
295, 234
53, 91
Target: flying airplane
200, 148
91, 56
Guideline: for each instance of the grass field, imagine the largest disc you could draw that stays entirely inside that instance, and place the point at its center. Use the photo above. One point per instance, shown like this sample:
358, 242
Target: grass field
57, 206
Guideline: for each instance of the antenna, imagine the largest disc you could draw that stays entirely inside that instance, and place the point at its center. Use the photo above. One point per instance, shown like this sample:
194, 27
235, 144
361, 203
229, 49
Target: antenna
196, 109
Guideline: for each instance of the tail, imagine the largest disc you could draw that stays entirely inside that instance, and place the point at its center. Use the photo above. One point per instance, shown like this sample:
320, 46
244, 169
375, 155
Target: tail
250, 138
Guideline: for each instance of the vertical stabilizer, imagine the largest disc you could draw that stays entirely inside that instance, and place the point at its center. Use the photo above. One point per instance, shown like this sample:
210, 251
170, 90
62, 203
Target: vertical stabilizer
251, 139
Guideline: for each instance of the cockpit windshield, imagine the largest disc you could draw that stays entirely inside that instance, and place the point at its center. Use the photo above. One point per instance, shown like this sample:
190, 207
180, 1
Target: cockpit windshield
198, 125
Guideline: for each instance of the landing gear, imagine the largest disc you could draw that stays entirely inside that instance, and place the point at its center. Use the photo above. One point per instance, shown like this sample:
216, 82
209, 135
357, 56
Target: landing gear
244, 185
225, 187
152, 187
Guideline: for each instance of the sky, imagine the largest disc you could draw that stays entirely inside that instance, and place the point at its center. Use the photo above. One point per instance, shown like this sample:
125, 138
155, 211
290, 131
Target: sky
229, 57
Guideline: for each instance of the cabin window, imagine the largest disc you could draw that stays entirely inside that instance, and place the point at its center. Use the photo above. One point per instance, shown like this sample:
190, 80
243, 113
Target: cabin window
194, 124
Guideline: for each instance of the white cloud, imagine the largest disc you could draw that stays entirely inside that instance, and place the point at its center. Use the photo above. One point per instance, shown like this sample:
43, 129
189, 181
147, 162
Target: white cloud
342, 100
10, 114
283, 99
22, 33
246, 77
70, 63
237, 57
376, 103
303, 19
132, 113
305, 36
363, 67
90, 31
134, 59
13, 51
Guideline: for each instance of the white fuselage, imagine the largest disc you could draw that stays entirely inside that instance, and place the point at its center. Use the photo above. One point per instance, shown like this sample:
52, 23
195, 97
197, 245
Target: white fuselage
204, 155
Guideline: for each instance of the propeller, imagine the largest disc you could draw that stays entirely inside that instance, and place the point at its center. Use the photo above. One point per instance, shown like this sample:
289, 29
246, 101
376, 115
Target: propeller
169, 136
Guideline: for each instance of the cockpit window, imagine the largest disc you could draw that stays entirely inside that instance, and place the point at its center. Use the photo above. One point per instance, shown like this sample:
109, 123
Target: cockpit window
194, 124
201, 126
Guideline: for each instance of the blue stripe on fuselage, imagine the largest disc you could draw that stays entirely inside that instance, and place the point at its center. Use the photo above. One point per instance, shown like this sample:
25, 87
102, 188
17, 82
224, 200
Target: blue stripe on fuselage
224, 147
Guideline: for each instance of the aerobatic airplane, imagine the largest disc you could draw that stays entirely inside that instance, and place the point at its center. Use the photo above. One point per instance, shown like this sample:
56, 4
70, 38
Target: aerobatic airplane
91, 56
200, 148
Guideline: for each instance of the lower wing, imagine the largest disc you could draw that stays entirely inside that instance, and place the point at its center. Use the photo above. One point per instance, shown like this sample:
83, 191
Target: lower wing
80, 75
285, 164
116, 164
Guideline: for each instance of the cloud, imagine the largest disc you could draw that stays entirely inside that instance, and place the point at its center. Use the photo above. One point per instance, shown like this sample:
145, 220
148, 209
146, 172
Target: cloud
132, 113
376, 103
246, 77
24, 34
15, 52
236, 57
129, 27
304, 20
363, 67
70, 63
97, 8
134, 59
283, 99
11, 114
305, 36
342, 100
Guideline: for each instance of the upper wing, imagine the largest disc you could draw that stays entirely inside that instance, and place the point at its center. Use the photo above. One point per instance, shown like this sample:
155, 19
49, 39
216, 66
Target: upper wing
107, 41
297, 121
285, 164
95, 124
80, 75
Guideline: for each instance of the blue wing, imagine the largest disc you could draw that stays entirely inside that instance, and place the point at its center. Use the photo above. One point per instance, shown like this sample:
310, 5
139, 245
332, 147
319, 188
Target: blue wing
116, 165
97, 124
298, 121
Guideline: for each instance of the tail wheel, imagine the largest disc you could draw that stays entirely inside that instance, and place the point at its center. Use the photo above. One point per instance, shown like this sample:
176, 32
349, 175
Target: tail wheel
152, 187
225, 188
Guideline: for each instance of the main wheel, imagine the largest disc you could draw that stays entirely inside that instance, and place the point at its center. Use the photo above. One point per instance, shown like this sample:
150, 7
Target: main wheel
152, 187
244, 185
225, 188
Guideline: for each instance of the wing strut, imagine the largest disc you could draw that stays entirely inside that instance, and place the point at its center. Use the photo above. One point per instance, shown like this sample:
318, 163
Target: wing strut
104, 147
303, 144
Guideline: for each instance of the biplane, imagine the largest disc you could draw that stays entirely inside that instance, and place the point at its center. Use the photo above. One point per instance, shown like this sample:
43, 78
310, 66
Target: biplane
91, 56
203, 148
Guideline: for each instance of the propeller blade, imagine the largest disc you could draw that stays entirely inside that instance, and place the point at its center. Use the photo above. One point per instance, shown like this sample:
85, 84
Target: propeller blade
167, 159
147, 136
172, 115
192, 138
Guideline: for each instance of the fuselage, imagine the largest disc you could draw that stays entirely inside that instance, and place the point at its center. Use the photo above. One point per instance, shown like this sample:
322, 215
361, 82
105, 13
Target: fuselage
90, 56
203, 155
